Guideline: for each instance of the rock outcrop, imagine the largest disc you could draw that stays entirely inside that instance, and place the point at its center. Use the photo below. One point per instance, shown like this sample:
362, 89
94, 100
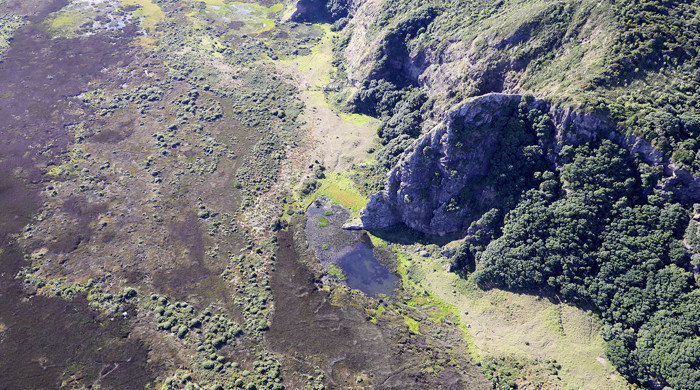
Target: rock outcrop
683, 184
440, 165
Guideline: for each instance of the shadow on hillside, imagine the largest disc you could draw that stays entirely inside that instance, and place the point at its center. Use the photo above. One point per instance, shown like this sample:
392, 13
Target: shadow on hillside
404, 235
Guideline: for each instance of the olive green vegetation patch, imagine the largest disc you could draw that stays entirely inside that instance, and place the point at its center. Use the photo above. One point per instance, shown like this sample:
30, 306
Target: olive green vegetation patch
527, 326
413, 325
424, 296
319, 98
81, 18
8, 25
149, 12
317, 68
317, 65
336, 272
551, 317
323, 222
378, 312
254, 18
65, 23
337, 187
435, 308
67, 20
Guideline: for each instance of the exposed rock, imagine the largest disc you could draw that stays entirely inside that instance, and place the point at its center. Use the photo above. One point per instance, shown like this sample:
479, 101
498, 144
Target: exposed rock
353, 224
439, 165
377, 214
310, 11
575, 128
317, 10
636, 145
682, 183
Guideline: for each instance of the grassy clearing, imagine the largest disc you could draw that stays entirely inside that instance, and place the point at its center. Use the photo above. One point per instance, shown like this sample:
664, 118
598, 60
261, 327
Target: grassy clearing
424, 296
66, 21
343, 138
317, 66
551, 317
337, 187
318, 98
150, 13
498, 323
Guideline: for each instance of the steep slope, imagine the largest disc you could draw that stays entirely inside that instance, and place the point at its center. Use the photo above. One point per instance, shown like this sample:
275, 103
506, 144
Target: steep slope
634, 63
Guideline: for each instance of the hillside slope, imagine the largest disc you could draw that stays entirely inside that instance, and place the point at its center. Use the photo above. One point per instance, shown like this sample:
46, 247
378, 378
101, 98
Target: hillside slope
605, 220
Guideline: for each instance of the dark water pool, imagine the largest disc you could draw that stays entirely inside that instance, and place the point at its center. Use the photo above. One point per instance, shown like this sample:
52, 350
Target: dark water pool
365, 272
351, 251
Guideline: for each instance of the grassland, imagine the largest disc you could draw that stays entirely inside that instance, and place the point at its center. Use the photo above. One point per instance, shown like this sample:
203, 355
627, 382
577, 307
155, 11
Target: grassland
341, 138
499, 323
337, 187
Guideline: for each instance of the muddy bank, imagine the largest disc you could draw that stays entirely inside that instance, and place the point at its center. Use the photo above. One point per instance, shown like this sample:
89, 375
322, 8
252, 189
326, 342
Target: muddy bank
319, 331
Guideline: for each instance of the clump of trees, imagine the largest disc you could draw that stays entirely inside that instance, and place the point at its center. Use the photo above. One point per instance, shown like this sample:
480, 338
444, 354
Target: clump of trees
402, 111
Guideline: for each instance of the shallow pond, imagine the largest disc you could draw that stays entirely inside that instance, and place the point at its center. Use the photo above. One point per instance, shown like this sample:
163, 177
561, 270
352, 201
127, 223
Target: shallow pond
352, 252
365, 272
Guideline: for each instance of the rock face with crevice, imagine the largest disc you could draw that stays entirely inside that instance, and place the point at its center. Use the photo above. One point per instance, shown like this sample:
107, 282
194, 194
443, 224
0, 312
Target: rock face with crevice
437, 167
440, 164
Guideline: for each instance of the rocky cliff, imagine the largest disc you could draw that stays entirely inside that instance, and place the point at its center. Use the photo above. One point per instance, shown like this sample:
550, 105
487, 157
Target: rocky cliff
425, 190
438, 166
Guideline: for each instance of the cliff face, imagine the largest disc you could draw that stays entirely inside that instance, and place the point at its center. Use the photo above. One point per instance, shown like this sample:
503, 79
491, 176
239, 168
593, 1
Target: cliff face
455, 55
441, 164
438, 166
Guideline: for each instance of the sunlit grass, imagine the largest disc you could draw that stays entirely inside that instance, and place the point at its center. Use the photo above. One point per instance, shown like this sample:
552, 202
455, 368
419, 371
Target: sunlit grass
255, 17
149, 12
340, 190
